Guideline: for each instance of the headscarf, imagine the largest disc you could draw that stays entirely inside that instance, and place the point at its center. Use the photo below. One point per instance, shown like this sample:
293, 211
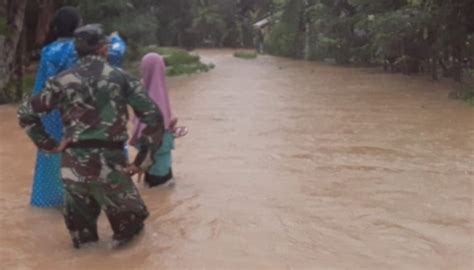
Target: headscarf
153, 72
65, 22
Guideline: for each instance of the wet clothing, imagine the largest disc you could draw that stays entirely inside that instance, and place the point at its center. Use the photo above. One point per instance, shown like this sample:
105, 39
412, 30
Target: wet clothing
47, 187
162, 157
161, 172
155, 180
92, 97
153, 70
93, 181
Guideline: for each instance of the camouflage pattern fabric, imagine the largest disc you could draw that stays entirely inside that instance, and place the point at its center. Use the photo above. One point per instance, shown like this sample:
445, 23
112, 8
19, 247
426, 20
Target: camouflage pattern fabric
94, 180
92, 98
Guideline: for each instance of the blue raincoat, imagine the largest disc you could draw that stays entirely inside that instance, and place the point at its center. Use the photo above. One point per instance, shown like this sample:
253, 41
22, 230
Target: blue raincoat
47, 186
117, 51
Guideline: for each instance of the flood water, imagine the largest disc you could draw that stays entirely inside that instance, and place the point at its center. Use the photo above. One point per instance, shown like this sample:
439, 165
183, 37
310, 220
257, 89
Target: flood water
288, 165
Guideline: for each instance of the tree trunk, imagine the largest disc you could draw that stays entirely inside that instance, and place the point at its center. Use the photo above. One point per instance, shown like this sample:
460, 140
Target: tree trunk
307, 41
434, 68
434, 63
457, 63
45, 17
14, 13
19, 66
307, 32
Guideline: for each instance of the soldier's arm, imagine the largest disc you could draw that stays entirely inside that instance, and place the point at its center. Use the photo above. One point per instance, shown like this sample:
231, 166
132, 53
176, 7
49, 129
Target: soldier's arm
32, 109
149, 114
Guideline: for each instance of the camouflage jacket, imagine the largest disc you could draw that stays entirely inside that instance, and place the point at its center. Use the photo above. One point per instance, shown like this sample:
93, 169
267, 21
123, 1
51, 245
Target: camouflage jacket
92, 97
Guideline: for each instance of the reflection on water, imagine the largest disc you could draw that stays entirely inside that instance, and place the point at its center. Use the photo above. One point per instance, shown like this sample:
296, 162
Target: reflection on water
288, 165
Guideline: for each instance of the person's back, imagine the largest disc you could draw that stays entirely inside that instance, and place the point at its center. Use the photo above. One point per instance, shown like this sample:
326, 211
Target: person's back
93, 97
94, 101
57, 56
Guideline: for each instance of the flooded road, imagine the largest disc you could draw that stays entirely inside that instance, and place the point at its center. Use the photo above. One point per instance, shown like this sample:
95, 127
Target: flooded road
288, 165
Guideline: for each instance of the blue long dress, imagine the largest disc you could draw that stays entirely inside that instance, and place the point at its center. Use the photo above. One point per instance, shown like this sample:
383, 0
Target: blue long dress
115, 57
47, 185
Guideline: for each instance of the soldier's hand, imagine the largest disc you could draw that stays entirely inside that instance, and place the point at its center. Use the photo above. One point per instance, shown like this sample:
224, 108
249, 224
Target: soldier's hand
131, 170
140, 176
61, 147
173, 123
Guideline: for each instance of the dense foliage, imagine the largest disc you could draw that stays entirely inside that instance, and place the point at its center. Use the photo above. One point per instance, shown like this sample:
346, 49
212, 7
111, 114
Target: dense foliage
183, 23
409, 36
405, 35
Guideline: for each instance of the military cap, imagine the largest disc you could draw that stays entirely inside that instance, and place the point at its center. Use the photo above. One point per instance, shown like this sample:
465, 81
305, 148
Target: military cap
89, 38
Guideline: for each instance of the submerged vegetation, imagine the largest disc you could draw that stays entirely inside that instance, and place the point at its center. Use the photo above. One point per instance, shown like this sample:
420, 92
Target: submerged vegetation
245, 55
178, 61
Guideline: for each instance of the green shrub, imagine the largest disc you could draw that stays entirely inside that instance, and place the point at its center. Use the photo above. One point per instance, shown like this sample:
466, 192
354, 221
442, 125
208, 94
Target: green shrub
468, 87
281, 41
178, 61
324, 47
246, 55
28, 83
3, 26
172, 56
9, 94
470, 101
188, 69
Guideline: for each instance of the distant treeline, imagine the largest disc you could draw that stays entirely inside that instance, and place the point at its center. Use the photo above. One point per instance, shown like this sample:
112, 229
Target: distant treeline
409, 36
25, 27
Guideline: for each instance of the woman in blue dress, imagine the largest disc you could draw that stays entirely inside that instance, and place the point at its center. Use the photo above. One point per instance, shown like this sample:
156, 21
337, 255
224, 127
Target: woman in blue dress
55, 58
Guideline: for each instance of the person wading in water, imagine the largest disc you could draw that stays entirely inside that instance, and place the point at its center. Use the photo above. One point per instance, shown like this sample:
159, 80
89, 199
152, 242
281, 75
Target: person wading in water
92, 97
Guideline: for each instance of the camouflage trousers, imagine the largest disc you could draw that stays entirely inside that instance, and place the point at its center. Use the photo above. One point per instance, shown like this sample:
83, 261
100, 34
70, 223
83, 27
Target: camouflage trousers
93, 181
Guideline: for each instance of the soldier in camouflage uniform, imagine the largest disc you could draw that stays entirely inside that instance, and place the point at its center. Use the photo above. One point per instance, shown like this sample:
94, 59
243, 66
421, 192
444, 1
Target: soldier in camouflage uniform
92, 97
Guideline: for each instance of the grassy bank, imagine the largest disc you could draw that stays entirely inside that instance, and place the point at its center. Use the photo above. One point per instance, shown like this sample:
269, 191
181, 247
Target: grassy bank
11, 94
468, 87
178, 61
246, 55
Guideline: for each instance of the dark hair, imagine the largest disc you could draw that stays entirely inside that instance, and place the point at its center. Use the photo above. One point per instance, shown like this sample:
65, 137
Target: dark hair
65, 22
123, 36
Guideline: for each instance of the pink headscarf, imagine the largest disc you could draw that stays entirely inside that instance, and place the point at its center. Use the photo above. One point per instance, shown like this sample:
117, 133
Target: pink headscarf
153, 72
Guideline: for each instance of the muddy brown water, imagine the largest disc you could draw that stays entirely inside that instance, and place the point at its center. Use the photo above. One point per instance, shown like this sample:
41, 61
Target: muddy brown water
288, 165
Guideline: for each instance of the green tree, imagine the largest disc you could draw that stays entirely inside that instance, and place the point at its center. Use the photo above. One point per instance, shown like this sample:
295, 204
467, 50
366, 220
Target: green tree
286, 36
208, 23
410, 35
12, 14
